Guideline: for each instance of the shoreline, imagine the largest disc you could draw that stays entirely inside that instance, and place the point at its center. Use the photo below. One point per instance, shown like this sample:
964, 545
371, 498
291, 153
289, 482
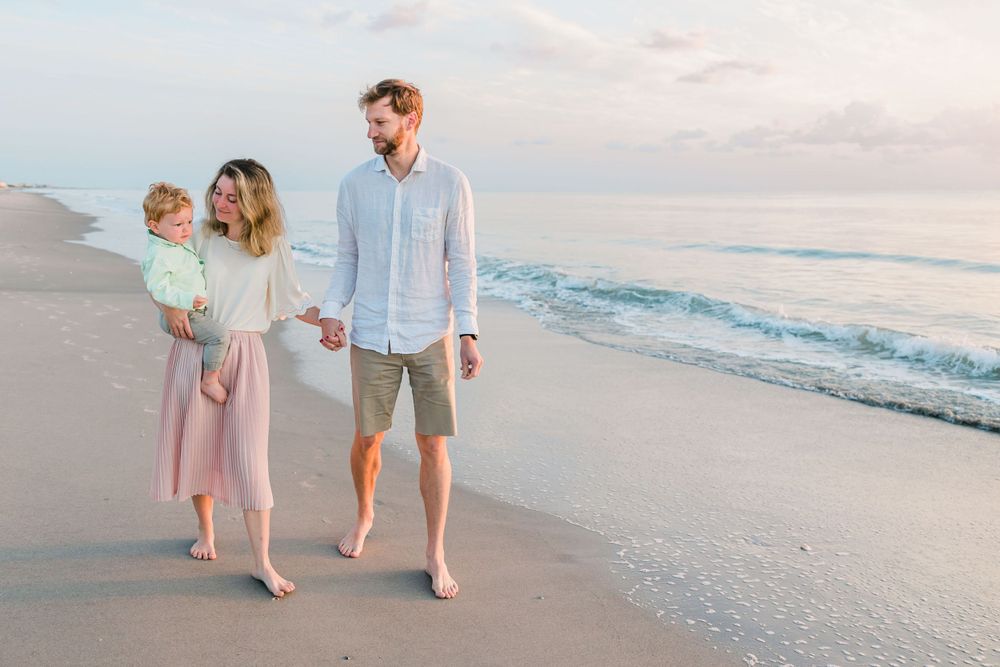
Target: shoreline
973, 407
785, 524
99, 573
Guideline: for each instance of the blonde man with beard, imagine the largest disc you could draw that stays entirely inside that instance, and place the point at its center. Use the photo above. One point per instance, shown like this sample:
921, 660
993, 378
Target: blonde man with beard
406, 257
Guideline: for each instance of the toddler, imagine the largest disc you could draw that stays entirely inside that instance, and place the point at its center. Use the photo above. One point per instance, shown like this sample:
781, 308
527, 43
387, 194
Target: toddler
173, 274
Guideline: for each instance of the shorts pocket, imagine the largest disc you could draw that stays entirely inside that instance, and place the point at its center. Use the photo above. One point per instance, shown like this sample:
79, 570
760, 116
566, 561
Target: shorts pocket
426, 224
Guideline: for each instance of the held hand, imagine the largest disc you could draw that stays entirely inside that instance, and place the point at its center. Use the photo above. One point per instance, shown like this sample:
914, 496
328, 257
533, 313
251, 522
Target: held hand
177, 321
334, 336
472, 361
199, 302
311, 316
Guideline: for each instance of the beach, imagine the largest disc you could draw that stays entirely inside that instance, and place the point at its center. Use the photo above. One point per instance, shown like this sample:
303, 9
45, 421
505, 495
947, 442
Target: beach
608, 506
93, 572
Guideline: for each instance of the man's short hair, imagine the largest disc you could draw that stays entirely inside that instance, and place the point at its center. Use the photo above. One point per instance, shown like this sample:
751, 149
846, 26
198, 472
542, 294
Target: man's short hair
404, 97
163, 199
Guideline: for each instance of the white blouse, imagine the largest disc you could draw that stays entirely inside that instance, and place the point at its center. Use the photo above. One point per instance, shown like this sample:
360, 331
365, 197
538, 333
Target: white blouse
247, 293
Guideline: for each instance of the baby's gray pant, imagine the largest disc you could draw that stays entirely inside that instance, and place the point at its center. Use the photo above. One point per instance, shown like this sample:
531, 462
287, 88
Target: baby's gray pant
209, 333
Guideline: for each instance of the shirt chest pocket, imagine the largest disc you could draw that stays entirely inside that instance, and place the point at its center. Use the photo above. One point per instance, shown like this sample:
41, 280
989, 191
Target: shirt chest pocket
426, 224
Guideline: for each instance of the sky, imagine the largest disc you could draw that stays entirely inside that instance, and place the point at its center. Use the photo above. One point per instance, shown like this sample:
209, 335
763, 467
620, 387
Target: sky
576, 96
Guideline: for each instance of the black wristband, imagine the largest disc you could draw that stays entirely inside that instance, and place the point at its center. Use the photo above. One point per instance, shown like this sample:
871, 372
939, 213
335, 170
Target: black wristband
472, 336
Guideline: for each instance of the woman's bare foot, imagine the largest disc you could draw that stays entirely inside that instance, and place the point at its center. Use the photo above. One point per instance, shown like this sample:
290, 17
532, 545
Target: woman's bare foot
442, 584
354, 541
275, 583
204, 548
212, 388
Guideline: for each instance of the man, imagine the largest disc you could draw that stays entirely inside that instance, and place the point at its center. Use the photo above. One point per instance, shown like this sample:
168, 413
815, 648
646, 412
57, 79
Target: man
407, 257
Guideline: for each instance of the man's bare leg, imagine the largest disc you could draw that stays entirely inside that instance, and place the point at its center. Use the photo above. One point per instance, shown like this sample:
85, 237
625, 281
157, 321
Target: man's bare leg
366, 462
204, 548
435, 487
259, 531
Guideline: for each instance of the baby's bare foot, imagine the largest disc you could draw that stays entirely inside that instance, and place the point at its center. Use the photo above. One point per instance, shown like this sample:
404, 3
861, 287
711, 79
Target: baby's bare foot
275, 583
214, 390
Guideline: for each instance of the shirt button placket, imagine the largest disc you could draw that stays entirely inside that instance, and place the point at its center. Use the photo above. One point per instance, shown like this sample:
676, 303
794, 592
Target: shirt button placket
393, 304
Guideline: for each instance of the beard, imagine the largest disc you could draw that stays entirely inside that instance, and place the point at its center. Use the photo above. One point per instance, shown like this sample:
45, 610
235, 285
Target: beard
391, 144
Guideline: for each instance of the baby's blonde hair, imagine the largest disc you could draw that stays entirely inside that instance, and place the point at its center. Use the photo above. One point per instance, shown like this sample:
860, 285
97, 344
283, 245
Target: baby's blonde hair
258, 202
163, 199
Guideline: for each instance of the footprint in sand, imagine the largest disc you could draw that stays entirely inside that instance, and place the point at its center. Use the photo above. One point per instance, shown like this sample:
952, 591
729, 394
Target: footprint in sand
308, 483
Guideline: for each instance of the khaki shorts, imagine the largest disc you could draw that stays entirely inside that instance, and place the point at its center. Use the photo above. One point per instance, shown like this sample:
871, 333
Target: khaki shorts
375, 379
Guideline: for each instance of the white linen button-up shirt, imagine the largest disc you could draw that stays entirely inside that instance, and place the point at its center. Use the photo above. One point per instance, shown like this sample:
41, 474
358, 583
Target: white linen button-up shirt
406, 255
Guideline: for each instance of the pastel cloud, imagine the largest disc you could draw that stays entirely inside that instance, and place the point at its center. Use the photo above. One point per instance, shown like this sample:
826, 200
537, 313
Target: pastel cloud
719, 71
869, 126
400, 16
665, 40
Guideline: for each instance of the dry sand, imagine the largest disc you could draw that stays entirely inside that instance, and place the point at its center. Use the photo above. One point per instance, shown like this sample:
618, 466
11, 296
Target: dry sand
93, 572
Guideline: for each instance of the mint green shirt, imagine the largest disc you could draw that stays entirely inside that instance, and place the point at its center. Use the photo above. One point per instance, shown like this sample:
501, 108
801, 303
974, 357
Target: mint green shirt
173, 273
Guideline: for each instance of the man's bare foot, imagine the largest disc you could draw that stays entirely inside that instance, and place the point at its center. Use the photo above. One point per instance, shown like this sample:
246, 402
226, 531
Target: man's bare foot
442, 584
214, 390
204, 548
275, 583
353, 542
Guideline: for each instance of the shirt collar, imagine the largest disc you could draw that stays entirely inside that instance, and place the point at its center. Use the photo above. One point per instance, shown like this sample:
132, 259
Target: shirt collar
153, 238
420, 164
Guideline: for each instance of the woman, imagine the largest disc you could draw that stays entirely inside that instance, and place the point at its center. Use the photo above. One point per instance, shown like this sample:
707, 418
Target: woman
206, 451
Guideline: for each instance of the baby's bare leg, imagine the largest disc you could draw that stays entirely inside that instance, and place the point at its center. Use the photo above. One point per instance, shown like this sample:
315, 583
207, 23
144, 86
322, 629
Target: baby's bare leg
215, 338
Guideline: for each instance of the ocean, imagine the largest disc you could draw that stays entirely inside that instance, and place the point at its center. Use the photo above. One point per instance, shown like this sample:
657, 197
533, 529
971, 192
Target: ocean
888, 299
885, 299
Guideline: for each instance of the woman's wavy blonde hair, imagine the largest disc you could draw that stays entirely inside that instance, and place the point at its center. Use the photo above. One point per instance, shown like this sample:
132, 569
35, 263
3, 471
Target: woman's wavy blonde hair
258, 202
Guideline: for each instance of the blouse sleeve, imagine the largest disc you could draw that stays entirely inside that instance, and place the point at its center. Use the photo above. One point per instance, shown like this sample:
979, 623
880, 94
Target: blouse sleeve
285, 296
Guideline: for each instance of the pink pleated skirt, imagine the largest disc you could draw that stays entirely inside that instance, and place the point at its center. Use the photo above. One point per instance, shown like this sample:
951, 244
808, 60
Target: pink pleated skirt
203, 448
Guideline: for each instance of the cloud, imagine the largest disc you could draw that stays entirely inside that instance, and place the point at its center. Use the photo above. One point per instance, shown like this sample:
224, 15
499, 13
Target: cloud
400, 16
547, 37
541, 141
716, 72
637, 148
687, 135
758, 137
330, 18
663, 40
869, 126
684, 140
